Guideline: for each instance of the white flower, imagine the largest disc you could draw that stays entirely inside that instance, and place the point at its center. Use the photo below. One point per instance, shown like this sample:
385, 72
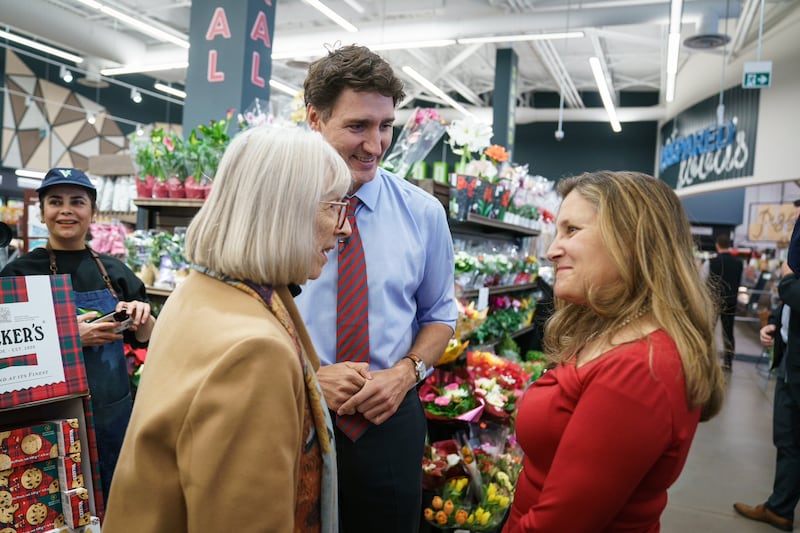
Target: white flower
470, 135
496, 398
453, 459
481, 168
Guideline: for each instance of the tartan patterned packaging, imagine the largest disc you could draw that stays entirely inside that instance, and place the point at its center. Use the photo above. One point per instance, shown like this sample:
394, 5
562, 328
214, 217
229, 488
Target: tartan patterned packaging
14, 289
94, 458
75, 503
30, 444
35, 514
28, 481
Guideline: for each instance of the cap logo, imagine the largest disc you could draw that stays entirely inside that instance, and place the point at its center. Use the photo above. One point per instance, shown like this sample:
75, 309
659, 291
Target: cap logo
65, 172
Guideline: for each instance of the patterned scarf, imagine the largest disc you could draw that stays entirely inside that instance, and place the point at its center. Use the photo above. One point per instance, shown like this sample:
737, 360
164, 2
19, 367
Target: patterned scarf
329, 506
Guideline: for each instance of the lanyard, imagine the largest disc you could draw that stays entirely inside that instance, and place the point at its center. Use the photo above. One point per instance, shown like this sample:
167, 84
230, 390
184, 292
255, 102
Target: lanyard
100, 266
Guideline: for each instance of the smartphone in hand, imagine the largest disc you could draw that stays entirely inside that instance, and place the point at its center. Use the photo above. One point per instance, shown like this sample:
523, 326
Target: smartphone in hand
122, 317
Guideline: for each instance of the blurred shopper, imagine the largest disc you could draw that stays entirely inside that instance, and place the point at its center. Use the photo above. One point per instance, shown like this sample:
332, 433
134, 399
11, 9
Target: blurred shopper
783, 331
724, 276
101, 284
230, 431
383, 311
608, 429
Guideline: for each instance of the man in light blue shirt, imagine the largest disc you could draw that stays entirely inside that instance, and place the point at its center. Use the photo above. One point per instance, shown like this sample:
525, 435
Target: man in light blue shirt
350, 96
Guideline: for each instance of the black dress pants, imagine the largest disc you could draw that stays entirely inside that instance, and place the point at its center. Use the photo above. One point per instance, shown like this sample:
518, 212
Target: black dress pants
380, 475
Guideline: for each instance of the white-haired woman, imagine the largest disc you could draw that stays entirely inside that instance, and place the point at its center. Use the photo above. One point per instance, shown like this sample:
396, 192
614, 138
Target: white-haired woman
230, 431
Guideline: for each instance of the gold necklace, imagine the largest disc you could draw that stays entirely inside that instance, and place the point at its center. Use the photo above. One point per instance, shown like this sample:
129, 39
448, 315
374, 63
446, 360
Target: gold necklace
635, 316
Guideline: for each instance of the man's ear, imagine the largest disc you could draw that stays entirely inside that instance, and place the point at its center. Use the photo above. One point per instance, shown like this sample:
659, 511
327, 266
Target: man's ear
313, 117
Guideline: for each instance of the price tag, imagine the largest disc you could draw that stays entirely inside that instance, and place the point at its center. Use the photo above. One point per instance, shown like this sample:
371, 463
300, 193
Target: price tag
483, 298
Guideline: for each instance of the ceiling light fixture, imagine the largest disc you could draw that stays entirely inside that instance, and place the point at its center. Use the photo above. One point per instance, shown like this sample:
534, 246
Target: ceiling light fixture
522, 37
605, 94
436, 43
136, 69
136, 96
143, 27
673, 47
65, 74
25, 173
90, 118
355, 5
169, 90
283, 87
331, 14
422, 80
41, 47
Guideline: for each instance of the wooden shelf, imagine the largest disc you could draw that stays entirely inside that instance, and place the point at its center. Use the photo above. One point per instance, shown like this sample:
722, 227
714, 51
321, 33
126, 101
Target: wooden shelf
500, 289
153, 291
168, 202
122, 216
478, 220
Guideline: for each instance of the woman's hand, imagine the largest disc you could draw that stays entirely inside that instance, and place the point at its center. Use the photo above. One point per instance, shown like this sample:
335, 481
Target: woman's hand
140, 311
767, 335
96, 334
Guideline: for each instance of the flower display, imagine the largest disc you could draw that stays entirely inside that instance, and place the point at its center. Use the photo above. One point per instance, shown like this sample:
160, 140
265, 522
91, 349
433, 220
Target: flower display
498, 381
467, 136
469, 319
448, 395
474, 494
257, 114
421, 132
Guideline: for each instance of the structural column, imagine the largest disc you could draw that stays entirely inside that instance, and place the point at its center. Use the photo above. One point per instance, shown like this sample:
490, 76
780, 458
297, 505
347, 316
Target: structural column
504, 100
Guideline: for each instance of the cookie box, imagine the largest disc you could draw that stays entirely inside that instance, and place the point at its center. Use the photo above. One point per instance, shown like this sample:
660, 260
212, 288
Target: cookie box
33, 514
75, 503
25, 445
92, 527
70, 475
29, 480
67, 433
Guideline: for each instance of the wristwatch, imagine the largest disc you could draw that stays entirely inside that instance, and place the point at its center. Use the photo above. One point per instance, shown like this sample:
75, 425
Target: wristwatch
419, 366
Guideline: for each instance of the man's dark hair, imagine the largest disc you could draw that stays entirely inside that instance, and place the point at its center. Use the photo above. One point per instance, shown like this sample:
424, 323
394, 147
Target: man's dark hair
723, 241
354, 67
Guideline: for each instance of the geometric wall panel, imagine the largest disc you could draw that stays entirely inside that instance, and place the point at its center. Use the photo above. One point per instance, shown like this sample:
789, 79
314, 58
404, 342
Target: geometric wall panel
42, 133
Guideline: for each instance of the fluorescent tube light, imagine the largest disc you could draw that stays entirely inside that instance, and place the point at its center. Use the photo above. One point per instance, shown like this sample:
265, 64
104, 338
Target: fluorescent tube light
284, 88
605, 95
169, 90
137, 24
675, 12
521, 37
331, 14
422, 80
41, 47
25, 173
670, 96
412, 44
355, 5
135, 69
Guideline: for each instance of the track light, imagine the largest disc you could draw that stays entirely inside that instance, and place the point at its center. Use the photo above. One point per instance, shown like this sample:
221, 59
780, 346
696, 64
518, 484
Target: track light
139, 130
136, 96
65, 74
90, 118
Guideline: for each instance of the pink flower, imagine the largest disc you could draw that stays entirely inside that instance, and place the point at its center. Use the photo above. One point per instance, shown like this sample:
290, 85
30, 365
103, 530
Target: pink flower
451, 387
168, 143
442, 400
429, 397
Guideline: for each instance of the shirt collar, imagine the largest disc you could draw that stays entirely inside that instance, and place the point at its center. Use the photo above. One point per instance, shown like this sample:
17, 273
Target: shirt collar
368, 193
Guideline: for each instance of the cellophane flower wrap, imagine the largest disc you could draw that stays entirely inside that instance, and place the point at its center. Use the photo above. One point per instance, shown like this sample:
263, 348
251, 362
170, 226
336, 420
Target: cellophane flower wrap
467, 136
479, 499
447, 395
421, 132
498, 381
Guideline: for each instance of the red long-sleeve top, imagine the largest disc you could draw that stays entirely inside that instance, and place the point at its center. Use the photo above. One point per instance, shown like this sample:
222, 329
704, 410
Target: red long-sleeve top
603, 442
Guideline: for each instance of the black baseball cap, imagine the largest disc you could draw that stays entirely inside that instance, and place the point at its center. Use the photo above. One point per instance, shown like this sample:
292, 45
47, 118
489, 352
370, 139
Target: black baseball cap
793, 253
67, 176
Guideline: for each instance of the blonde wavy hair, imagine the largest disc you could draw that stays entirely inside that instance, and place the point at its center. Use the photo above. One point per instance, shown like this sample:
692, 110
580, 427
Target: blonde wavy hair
646, 231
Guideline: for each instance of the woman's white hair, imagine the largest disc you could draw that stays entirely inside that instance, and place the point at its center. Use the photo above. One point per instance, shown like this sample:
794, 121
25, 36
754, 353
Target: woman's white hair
259, 221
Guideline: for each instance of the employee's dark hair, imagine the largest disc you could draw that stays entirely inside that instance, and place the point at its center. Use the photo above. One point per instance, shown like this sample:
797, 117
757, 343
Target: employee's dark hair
354, 67
723, 241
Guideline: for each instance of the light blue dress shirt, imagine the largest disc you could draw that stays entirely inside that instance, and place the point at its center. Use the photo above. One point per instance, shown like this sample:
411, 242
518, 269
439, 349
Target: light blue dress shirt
410, 268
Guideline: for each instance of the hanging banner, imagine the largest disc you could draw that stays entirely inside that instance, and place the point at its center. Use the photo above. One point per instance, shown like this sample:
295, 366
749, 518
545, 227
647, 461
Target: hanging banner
697, 147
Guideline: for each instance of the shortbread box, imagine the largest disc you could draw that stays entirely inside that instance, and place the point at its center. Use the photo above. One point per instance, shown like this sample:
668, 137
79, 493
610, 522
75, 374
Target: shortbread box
25, 445
68, 436
70, 475
92, 527
25, 481
75, 503
33, 514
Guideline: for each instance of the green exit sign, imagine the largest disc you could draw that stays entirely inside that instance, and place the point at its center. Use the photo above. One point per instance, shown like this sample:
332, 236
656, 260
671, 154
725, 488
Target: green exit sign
757, 75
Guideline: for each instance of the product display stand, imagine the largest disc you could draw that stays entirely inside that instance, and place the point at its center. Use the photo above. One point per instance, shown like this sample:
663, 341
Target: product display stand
57, 392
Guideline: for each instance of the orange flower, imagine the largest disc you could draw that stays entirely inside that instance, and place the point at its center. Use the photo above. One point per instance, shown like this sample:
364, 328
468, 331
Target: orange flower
437, 502
461, 516
496, 153
441, 518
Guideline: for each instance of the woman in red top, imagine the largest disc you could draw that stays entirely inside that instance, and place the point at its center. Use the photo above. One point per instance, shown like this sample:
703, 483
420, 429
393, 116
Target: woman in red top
608, 429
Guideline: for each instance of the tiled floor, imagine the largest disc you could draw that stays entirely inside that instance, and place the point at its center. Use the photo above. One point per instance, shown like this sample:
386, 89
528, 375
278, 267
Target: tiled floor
732, 457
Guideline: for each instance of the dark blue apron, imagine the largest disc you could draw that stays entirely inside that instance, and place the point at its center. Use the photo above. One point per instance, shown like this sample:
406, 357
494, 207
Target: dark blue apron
109, 385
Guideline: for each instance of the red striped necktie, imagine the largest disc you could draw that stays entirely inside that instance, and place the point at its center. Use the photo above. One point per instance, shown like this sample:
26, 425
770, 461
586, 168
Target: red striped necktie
352, 321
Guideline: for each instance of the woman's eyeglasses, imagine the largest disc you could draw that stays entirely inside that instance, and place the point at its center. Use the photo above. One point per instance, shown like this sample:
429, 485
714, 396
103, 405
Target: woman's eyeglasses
342, 212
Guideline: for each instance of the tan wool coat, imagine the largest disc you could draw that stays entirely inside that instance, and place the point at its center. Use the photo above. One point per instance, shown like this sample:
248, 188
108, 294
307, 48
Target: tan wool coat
215, 437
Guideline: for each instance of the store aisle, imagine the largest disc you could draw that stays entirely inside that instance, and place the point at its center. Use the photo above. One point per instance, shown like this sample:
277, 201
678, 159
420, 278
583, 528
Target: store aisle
732, 457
